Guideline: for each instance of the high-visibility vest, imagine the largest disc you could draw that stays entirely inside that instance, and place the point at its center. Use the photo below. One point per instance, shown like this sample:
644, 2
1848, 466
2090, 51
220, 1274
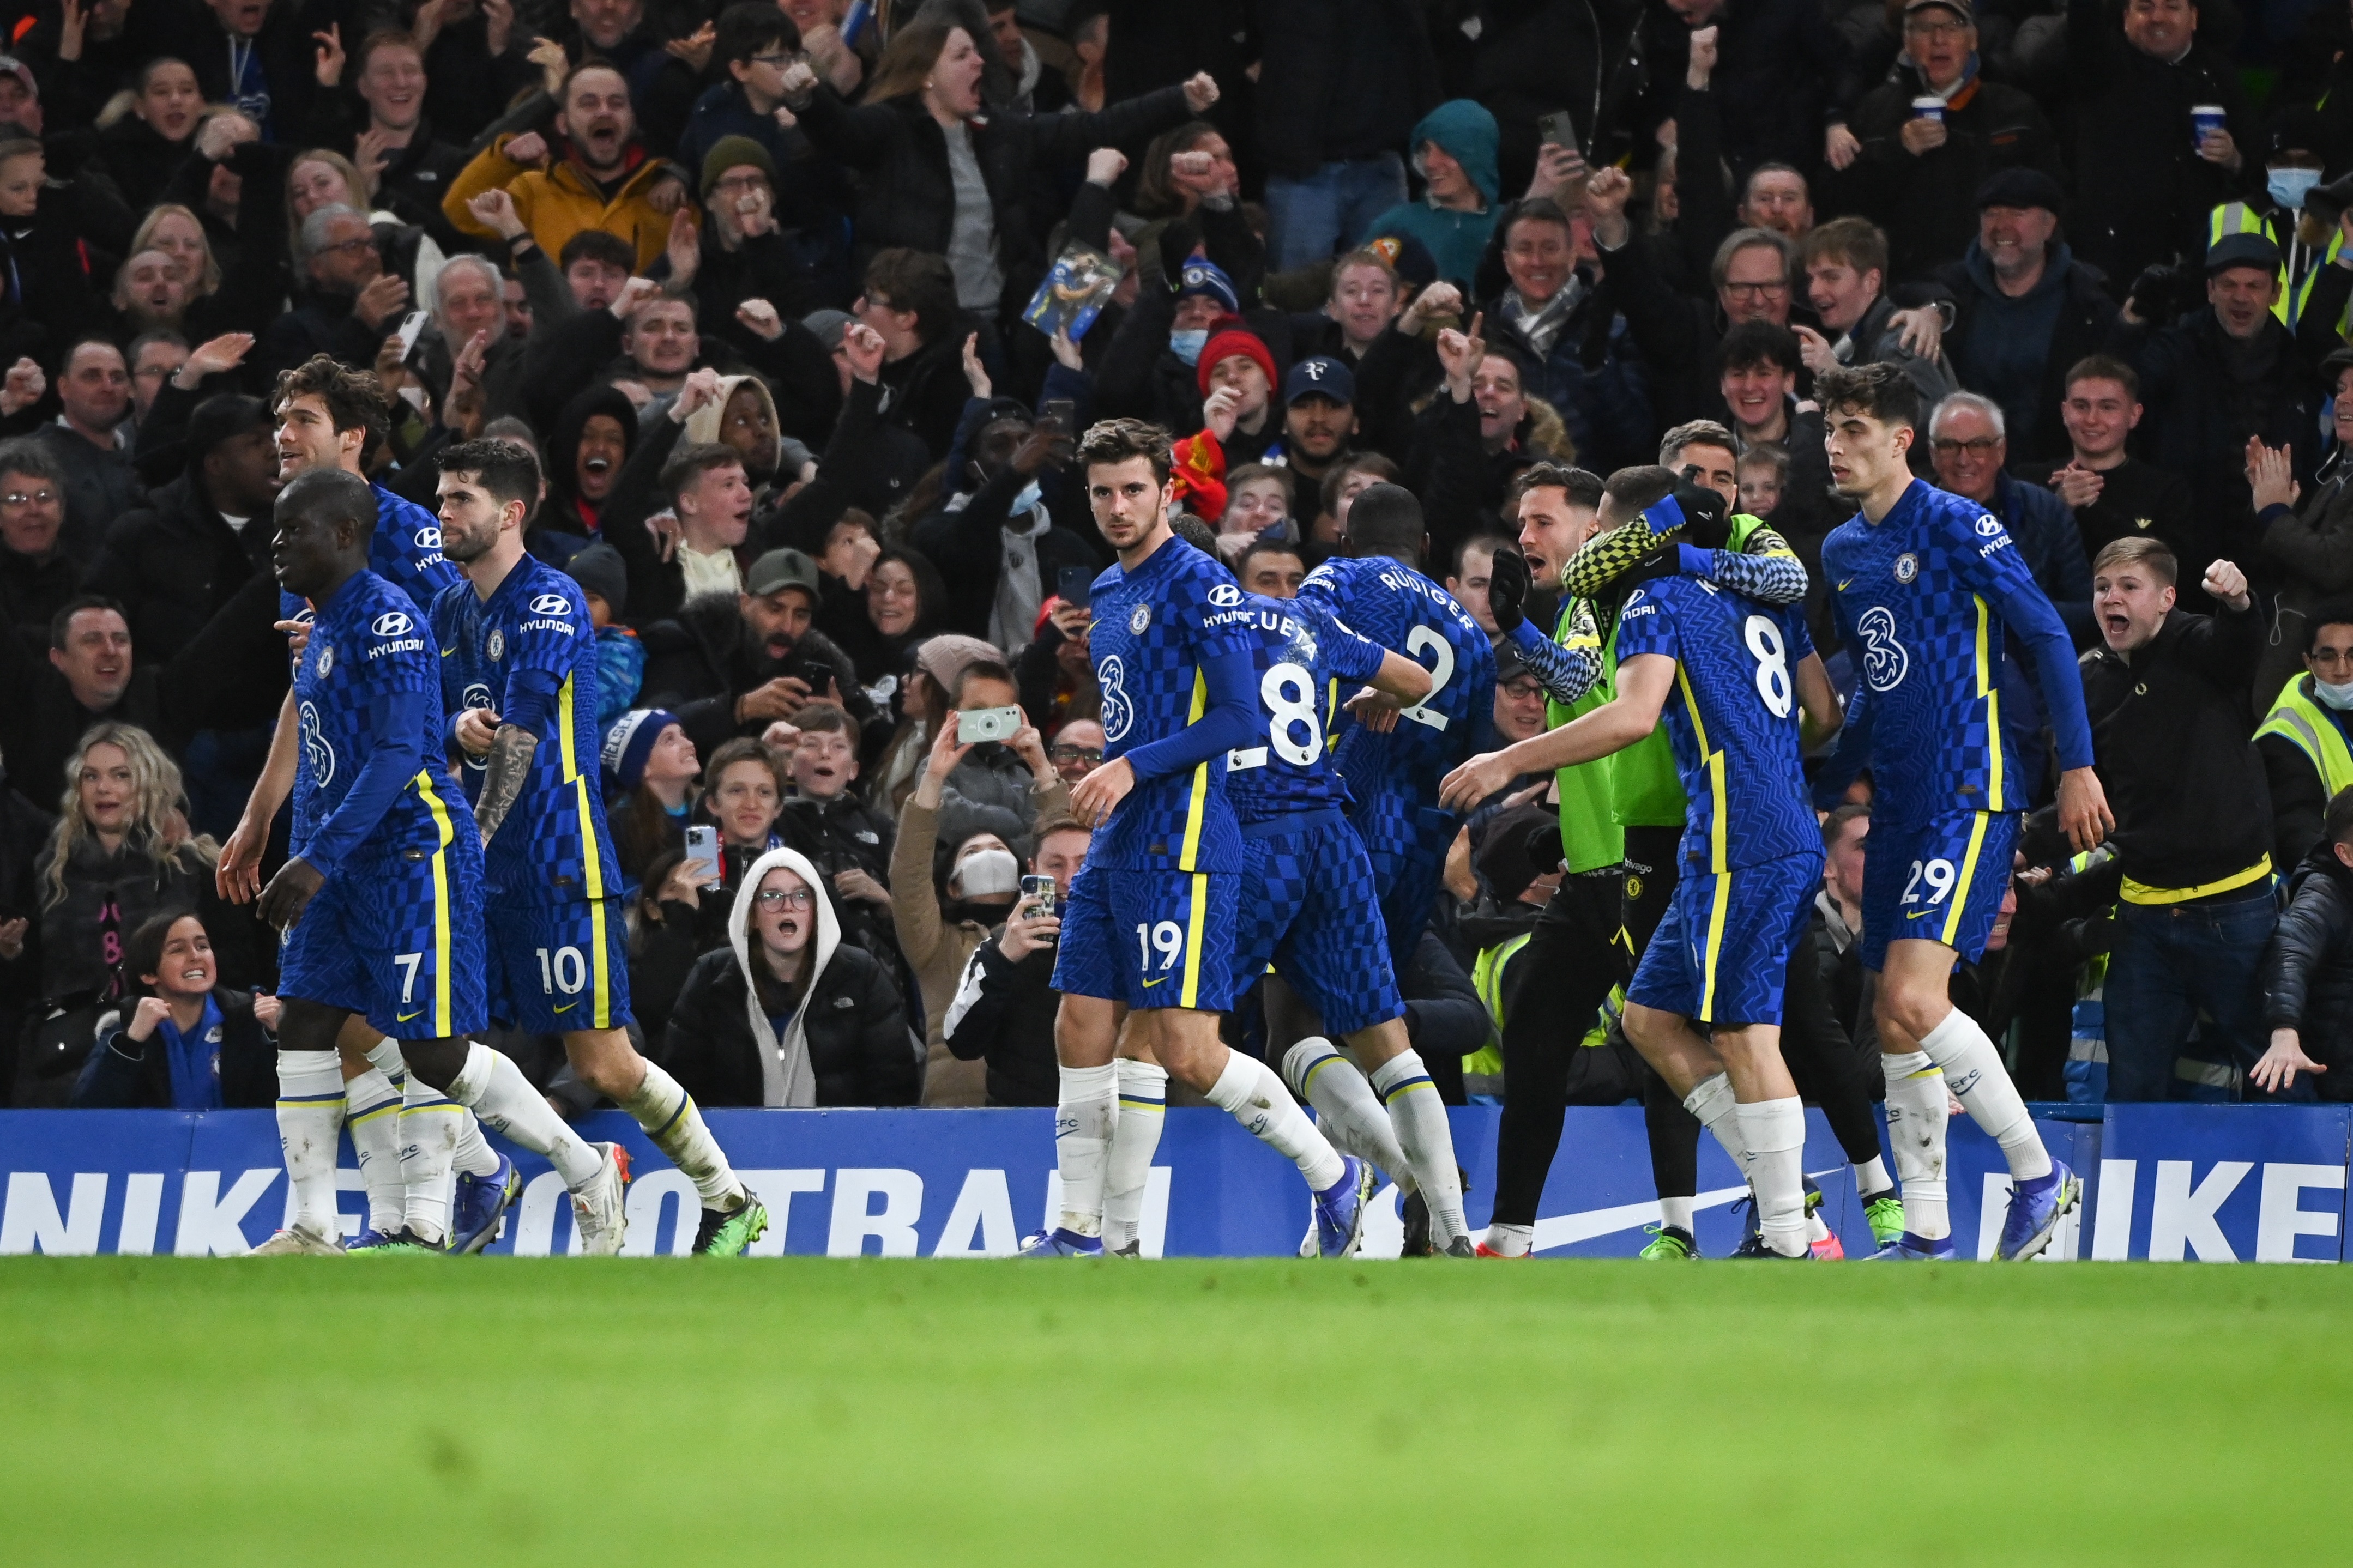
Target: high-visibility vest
1483, 1070
2302, 723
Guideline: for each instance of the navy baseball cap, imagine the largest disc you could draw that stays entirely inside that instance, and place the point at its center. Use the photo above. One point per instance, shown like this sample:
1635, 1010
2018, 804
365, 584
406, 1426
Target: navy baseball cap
1322, 376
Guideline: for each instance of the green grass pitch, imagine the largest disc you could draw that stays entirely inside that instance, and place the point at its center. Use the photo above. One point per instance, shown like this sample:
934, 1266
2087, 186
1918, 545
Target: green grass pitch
418, 1412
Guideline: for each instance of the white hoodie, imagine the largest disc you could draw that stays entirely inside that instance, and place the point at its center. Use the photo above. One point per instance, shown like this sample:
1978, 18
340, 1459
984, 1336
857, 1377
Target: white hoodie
785, 1076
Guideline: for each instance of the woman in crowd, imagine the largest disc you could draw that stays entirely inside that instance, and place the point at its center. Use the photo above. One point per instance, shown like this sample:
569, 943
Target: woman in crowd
181, 1041
904, 602
664, 914
787, 1014
121, 852
943, 912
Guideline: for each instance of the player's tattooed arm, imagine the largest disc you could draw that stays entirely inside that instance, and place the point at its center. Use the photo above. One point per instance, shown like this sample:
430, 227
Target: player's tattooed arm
509, 769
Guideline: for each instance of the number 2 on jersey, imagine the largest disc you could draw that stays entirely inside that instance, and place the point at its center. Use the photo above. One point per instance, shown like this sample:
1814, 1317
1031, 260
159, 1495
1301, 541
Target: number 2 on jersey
1440, 672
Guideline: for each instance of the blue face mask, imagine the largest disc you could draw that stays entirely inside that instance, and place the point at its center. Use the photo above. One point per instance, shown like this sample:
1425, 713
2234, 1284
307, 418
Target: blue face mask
2287, 186
1188, 346
2338, 697
1023, 502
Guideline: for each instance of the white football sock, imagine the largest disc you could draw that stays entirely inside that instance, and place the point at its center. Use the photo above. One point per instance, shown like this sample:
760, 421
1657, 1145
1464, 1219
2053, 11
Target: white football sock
667, 1113
496, 1090
1509, 1240
1871, 1177
1712, 1103
1916, 1131
1347, 1111
1775, 1131
1088, 1104
1677, 1212
1974, 1073
309, 1115
1249, 1091
372, 1115
428, 1137
1135, 1139
1404, 1086
474, 1155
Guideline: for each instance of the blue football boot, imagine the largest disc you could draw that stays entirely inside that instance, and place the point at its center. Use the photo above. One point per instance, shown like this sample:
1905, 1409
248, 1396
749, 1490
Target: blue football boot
2034, 1216
479, 1203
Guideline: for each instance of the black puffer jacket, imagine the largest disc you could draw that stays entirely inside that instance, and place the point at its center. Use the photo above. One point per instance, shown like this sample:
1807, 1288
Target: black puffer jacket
2307, 974
175, 564
906, 196
1004, 1014
859, 1045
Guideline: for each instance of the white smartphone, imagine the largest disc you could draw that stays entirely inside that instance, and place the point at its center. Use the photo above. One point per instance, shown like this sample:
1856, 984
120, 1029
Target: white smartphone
702, 855
979, 724
411, 326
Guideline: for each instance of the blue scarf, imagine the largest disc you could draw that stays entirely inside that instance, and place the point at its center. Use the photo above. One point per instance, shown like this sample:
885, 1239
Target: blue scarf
195, 1060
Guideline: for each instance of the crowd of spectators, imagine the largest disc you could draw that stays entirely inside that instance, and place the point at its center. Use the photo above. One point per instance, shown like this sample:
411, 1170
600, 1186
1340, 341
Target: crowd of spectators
801, 304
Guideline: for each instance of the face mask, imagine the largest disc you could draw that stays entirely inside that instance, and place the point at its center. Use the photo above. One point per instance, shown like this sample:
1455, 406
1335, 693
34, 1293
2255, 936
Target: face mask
2338, 697
2287, 186
1188, 346
985, 871
1027, 499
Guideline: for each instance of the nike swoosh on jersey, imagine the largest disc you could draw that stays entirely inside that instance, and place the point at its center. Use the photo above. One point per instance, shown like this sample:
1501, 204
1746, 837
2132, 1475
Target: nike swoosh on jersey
448, 651
567, 1006
1843, 582
1150, 984
404, 1017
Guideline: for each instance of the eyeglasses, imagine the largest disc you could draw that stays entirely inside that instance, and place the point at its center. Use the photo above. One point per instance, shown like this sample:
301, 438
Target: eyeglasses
1091, 755
1756, 290
1522, 689
22, 498
790, 897
352, 246
779, 59
1981, 447
1939, 31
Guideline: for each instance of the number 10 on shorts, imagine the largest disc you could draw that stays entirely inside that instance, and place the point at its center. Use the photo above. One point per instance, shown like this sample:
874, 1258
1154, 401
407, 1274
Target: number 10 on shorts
565, 970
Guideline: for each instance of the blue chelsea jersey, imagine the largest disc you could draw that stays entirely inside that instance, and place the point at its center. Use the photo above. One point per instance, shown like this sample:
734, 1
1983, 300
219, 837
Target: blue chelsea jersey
369, 658
1731, 717
1924, 599
1153, 631
1303, 656
529, 648
1395, 606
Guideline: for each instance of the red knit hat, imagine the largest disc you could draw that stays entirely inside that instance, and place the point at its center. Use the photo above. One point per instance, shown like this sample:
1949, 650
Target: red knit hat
1225, 346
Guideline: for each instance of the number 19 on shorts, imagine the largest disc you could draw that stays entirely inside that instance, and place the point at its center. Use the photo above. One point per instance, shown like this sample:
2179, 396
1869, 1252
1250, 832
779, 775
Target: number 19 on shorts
1167, 938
